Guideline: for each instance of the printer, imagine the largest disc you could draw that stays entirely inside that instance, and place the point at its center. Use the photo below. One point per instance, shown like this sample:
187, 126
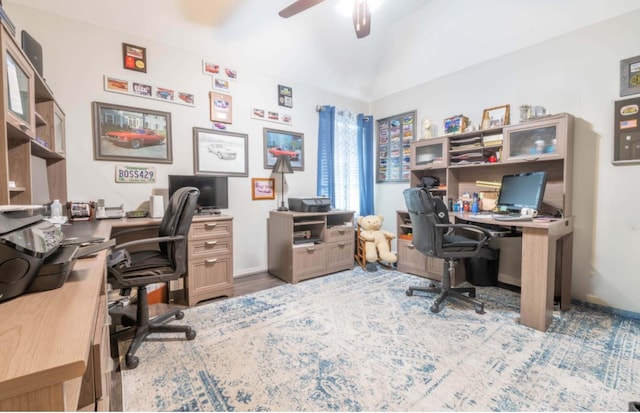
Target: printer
26, 240
310, 204
34, 254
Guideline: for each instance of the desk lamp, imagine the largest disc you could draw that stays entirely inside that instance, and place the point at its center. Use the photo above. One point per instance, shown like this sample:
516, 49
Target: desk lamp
282, 166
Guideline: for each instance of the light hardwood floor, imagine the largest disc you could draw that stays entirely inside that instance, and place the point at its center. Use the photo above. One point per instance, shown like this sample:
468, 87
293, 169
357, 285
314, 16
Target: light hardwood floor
241, 286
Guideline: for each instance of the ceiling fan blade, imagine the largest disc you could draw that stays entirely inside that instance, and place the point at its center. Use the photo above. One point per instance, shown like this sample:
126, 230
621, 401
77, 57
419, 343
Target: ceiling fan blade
298, 7
361, 18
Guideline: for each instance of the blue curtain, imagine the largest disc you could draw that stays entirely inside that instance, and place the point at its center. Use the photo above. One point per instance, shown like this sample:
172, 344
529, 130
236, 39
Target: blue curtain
326, 132
365, 149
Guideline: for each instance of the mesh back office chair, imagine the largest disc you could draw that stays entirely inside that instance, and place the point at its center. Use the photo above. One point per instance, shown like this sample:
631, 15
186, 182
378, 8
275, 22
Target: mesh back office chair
155, 266
433, 235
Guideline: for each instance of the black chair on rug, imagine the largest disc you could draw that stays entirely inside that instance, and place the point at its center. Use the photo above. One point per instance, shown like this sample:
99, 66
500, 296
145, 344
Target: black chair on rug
141, 268
434, 236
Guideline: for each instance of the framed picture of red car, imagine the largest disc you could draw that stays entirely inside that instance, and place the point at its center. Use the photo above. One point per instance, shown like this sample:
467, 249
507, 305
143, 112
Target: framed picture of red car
123, 133
263, 188
217, 152
281, 142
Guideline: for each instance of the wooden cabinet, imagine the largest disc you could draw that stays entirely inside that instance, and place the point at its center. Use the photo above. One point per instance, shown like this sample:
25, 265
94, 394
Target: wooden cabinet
544, 139
410, 260
33, 125
210, 259
429, 153
306, 245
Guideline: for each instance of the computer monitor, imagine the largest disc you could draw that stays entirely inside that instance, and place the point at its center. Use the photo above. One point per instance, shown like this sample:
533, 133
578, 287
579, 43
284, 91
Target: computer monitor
524, 190
214, 193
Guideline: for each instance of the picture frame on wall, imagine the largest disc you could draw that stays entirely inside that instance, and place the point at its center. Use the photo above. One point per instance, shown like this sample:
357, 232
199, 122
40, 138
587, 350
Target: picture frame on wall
630, 76
134, 57
123, 133
221, 109
263, 188
217, 152
495, 117
394, 135
281, 142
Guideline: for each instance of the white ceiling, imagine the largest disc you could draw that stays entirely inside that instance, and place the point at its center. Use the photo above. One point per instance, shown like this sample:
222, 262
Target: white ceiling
411, 41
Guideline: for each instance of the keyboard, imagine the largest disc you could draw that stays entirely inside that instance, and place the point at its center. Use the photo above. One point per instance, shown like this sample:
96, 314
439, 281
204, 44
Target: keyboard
509, 217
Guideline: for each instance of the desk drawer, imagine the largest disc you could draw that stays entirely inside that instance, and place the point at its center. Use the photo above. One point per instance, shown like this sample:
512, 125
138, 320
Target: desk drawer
210, 229
209, 247
340, 233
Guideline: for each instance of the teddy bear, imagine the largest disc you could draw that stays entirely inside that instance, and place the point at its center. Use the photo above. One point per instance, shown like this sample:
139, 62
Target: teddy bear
376, 239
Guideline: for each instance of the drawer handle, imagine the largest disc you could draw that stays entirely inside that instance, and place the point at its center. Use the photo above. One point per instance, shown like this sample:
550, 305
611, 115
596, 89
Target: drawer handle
210, 225
311, 249
209, 243
211, 261
411, 246
532, 159
341, 231
24, 127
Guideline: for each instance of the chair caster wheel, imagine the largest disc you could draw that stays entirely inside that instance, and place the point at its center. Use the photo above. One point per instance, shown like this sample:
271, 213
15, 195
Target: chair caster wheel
131, 362
434, 309
480, 309
179, 315
191, 334
409, 292
432, 285
472, 294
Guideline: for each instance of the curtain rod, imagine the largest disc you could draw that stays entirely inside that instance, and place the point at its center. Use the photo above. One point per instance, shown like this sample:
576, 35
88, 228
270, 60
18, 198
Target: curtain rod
320, 108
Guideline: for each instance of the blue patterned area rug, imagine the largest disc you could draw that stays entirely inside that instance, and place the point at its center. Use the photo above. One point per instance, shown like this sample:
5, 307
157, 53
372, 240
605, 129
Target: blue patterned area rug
353, 341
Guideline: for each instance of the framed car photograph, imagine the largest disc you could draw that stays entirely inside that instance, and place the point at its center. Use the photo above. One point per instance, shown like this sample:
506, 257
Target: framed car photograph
220, 105
263, 188
123, 133
217, 152
280, 142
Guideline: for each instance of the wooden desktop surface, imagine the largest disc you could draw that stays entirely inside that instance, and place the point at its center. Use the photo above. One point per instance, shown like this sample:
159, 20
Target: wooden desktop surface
547, 249
45, 338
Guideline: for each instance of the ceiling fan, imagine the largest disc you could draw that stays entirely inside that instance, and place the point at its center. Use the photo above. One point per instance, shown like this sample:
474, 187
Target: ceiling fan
361, 14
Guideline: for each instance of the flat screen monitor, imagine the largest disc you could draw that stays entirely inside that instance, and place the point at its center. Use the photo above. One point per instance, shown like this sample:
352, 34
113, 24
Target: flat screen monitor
524, 190
214, 191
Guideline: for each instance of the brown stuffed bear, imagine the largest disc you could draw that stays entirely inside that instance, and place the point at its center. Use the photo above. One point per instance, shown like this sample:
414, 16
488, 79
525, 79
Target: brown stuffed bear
376, 239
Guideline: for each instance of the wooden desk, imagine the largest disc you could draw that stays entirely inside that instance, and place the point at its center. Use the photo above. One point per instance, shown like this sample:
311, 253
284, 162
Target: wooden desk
547, 249
46, 338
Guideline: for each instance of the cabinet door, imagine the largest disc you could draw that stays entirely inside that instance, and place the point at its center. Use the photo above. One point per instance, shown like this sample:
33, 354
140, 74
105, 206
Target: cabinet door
209, 277
340, 255
308, 261
19, 89
429, 154
536, 140
411, 260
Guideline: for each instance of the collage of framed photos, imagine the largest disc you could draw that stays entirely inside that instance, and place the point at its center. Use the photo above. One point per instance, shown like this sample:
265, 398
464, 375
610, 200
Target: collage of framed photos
393, 156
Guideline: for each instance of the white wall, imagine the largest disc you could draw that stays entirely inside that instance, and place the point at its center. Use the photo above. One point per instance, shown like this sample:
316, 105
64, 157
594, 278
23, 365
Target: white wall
77, 55
577, 73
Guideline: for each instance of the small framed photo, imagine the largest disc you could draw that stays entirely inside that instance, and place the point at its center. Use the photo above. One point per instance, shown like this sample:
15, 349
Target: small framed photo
263, 188
217, 152
123, 133
495, 117
221, 107
280, 142
134, 57
455, 124
630, 76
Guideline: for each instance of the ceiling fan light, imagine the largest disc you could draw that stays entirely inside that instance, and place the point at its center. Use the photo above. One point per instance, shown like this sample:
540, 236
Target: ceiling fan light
345, 7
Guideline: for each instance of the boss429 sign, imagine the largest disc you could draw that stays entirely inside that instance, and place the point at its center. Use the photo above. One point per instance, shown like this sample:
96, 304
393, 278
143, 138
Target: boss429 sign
135, 174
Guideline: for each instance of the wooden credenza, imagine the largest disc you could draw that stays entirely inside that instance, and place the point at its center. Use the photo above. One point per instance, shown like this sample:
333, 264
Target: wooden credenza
330, 247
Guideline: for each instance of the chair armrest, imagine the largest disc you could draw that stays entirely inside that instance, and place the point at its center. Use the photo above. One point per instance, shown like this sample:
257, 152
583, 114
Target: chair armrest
475, 228
154, 240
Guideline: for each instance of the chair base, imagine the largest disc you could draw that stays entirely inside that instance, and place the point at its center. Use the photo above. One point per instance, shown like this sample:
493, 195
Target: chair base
446, 290
142, 327
457, 293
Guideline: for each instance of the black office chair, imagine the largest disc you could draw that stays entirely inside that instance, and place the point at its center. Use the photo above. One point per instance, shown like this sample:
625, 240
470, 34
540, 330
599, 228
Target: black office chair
140, 268
434, 236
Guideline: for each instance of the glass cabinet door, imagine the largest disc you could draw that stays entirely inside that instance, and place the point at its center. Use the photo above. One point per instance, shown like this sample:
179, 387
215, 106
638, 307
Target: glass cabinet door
19, 87
58, 131
429, 154
535, 141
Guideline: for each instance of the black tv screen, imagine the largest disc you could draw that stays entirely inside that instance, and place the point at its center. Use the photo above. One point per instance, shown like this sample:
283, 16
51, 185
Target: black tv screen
214, 191
524, 190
